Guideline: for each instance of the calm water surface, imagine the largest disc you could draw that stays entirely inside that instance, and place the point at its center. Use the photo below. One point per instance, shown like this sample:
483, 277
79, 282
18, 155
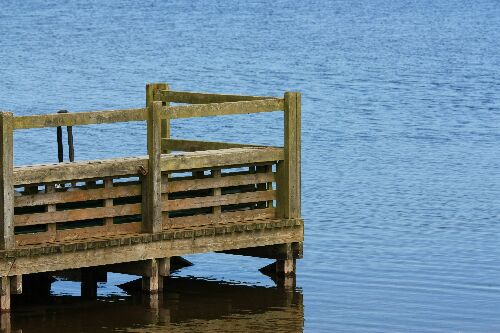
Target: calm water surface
401, 151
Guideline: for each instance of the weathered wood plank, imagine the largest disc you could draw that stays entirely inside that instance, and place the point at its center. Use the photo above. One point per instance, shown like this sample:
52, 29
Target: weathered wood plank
218, 182
255, 233
4, 293
288, 171
76, 215
6, 181
78, 195
226, 217
98, 231
52, 173
151, 197
79, 234
221, 109
80, 118
218, 200
196, 145
203, 98
220, 158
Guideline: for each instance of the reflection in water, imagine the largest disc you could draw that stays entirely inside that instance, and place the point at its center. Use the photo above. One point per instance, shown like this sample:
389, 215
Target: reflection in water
187, 305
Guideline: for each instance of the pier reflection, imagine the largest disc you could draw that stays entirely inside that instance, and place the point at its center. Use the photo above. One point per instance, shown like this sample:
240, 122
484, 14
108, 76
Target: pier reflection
186, 305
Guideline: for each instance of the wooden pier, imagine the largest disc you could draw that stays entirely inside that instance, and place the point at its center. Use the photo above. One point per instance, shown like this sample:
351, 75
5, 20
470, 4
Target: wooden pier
133, 214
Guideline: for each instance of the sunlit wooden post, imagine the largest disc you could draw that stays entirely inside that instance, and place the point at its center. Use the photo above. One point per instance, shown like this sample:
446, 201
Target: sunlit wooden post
153, 93
7, 200
151, 203
6, 185
288, 171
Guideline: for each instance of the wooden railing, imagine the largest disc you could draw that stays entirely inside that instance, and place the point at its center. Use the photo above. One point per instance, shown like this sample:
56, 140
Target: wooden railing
202, 183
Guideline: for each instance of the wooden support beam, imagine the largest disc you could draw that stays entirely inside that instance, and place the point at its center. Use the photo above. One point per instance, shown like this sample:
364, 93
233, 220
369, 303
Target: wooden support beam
153, 281
4, 294
276, 251
89, 283
6, 181
96, 252
288, 171
16, 284
151, 204
285, 267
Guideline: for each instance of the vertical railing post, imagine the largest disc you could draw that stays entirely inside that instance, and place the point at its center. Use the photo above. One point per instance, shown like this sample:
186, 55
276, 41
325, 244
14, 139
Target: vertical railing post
153, 94
6, 181
288, 171
151, 195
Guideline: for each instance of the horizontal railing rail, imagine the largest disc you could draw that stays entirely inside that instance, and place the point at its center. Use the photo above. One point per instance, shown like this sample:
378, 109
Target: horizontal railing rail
204, 98
197, 145
224, 109
65, 172
80, 118
140, 114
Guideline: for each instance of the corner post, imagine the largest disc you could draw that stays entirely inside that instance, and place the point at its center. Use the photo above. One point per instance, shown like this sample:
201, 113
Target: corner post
6, 181
288, 171
151, 195
288, 178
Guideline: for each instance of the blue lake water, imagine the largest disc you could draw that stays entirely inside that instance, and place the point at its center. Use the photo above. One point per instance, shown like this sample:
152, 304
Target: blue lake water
401, 143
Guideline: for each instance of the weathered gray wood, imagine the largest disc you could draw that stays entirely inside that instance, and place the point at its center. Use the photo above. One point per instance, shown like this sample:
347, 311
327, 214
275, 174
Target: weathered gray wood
204, 98
4, 293
16, 284
153, 93
51, 227
277, 251
152, 215
219, 181
80, 118
52, 173
285, 267
59, 172
107, 193
196, 145
6, 181
108, 185
217, 192
142, 247
152, 282
220, 158
164, 266
218, 200
221, 109
240, 216
288, 171
76, 214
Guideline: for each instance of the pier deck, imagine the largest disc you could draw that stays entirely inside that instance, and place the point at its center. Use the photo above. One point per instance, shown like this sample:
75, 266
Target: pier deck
133, 214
